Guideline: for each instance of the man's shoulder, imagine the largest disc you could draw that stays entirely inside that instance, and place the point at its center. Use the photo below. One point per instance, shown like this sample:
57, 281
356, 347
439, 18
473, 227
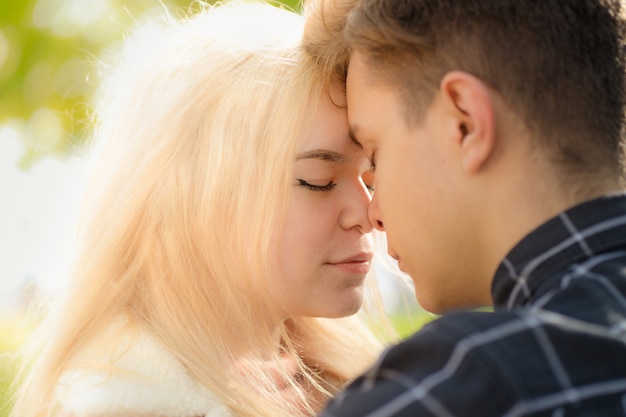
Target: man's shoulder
441, 367
471, 339
521, 331
528, 350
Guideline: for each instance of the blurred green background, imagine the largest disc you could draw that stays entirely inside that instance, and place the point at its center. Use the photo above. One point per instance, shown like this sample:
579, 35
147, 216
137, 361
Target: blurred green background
48, 49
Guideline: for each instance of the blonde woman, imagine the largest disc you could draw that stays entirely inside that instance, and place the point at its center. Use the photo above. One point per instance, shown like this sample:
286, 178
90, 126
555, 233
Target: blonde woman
225, 226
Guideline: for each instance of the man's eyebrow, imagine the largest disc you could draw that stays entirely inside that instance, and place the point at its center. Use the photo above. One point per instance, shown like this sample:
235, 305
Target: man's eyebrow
352, 133
323, 154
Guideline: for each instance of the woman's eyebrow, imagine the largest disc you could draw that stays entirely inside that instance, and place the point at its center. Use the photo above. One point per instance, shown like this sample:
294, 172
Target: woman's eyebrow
322, 154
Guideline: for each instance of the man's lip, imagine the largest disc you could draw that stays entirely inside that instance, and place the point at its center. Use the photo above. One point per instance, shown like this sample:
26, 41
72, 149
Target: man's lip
396, 257
400, 266
392, 252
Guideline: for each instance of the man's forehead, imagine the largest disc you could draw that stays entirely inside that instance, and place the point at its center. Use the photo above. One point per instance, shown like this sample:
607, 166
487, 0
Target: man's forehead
352, 133
357, 66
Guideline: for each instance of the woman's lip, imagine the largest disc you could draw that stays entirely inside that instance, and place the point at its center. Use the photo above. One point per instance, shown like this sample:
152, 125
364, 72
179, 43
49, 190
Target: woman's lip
353, 267
360, 257
359, 263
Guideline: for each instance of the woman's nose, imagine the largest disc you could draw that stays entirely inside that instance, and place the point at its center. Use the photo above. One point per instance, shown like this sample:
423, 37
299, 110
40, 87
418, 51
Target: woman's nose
356, 210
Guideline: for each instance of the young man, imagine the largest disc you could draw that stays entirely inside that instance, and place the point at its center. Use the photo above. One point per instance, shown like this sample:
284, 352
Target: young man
494, 127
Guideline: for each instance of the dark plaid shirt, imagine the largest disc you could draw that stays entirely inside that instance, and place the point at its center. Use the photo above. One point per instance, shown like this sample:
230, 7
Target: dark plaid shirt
555, 345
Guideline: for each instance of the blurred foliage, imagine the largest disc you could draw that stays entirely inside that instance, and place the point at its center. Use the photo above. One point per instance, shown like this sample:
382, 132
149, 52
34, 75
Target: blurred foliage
13, 332
48, 51
407, 324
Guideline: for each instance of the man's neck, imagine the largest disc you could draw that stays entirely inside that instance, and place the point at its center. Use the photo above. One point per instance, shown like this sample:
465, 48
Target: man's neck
533, 200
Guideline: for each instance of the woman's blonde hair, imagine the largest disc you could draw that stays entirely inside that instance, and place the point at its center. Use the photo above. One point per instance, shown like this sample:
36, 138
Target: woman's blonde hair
195, 140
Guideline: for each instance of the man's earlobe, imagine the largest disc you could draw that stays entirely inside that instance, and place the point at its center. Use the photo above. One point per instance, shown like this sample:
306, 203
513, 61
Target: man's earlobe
471, 105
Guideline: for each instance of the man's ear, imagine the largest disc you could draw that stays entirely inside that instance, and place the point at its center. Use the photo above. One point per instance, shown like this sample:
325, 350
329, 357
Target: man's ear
471, 105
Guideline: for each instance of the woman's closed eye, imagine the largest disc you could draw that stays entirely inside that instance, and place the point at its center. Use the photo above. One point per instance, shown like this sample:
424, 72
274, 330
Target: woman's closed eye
315, 187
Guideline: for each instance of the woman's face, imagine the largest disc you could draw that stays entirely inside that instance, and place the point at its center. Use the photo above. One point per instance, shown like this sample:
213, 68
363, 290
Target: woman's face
326, 246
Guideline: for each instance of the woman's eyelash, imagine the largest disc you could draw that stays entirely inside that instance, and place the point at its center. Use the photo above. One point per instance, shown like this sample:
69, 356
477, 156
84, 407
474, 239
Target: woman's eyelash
314, 187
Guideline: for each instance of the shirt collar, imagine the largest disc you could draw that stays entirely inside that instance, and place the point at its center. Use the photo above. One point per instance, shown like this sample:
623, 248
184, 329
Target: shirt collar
569, 238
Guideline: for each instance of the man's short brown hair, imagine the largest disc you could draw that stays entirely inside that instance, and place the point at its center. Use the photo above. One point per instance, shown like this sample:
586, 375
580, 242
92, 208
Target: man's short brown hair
558, 64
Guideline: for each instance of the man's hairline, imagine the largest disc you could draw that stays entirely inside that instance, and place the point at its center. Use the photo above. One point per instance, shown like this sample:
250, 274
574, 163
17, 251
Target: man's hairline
381, 79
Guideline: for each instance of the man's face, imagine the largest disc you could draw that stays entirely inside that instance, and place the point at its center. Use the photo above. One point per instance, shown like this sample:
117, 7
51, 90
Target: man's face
416, 179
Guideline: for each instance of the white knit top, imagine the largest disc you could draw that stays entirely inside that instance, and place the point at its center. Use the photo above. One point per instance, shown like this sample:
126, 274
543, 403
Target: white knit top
129, 372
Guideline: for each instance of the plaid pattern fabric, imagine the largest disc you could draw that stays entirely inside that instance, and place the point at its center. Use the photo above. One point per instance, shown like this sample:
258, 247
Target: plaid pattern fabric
555, 345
